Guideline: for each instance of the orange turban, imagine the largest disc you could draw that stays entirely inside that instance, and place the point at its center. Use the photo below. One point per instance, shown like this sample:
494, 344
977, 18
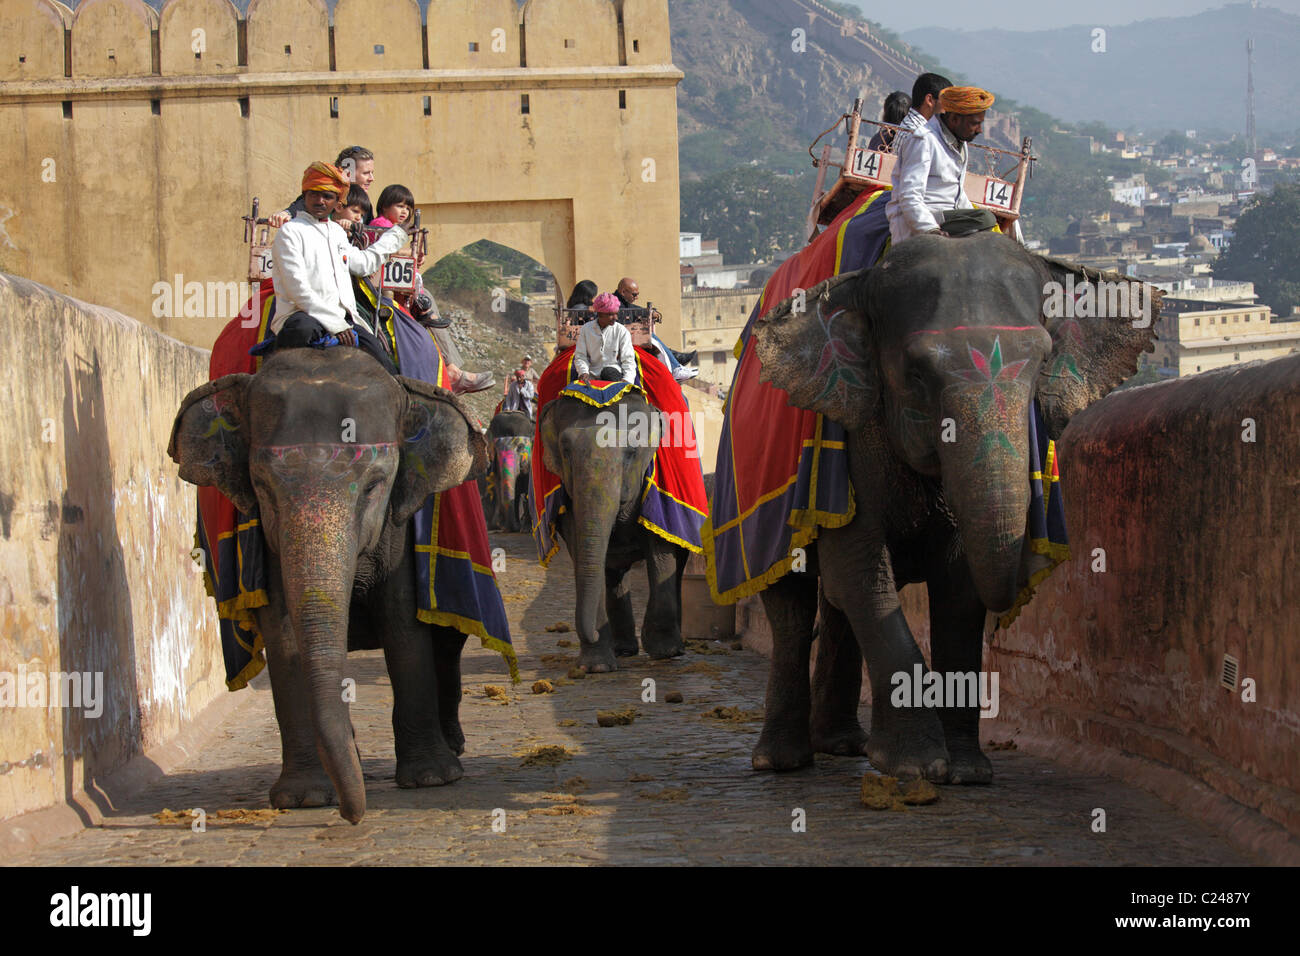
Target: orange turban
964, 99
322, 177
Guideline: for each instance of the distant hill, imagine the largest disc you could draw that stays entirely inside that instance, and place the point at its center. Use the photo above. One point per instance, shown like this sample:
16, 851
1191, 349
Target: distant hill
1170, 73
751, 91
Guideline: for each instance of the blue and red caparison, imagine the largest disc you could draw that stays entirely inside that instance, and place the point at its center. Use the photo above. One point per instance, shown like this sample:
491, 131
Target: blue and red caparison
774, 496
455, 585
674, 504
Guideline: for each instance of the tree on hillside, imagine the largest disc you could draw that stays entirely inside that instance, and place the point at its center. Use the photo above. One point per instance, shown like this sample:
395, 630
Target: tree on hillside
752, 212
1266, 249
1175, 144
456, 273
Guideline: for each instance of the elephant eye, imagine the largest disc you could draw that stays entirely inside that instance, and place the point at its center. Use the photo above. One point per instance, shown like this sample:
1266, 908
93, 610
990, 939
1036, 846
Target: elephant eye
373, 487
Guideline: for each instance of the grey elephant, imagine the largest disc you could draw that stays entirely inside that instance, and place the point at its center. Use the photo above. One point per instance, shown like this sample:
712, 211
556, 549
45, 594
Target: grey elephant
603, 476
937, 355
336, 512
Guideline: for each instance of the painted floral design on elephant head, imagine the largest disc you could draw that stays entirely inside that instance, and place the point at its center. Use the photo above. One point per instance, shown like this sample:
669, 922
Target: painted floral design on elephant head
324, 461
838, 363
996, 376
1069, 339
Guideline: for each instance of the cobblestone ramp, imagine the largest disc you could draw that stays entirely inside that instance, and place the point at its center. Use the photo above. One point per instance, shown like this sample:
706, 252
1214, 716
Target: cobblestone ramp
672, 787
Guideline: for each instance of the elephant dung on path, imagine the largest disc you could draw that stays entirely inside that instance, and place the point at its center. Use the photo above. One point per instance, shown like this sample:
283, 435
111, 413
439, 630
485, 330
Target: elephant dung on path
605, 480
335, 455
931, 360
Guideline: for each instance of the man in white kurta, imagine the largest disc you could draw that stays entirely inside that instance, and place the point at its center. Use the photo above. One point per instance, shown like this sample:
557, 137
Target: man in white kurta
929, 176
312, 260
604, 343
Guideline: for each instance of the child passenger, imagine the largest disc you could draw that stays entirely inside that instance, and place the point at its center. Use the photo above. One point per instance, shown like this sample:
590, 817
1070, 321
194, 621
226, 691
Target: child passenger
352, 215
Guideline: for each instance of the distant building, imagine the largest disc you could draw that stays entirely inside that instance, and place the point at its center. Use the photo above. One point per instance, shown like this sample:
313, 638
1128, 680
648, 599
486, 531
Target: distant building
712, 321
1201, 288
1197, 336
1131, 191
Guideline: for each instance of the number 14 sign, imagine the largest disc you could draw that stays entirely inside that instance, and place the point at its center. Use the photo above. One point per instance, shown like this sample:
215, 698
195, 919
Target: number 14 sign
997, 193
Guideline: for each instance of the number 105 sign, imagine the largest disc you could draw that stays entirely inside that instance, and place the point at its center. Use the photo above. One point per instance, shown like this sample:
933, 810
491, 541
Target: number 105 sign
398, 274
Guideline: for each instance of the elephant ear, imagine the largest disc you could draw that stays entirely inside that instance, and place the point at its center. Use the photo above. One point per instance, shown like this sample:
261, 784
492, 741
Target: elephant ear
441, 447
1095, 344
817, 348
210, 439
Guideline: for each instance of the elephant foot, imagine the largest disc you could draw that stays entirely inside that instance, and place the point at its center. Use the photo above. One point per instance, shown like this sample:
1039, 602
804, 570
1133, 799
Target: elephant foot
909, 749
846, 739
967, 764
455, 737
661, 650
295, 790
626, 648
597, 659
782, 752
432, 771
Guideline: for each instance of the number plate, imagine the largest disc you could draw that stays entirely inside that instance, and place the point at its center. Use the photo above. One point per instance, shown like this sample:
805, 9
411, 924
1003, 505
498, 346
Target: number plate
873, 165
997, 193
259, 262
867, 163
398, 274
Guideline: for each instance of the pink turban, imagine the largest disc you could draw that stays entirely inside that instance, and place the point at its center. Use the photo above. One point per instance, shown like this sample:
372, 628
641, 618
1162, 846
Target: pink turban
605, 302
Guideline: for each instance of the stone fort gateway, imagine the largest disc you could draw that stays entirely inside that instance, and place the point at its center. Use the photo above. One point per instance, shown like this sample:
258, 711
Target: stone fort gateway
1155, 675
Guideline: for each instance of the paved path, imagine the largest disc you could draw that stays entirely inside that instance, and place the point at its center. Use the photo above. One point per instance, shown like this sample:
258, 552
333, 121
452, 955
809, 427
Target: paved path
671, 787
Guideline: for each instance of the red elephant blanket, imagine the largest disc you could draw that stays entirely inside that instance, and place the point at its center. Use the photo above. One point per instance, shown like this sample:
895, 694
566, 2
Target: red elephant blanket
674, 504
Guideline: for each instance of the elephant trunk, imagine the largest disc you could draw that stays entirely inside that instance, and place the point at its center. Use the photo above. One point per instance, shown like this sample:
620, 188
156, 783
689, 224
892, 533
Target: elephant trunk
986, 484
318, 589
595, 511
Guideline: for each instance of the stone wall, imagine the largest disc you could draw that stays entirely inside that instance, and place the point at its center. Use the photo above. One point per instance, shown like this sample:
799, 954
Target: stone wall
139, 142
1201, 537
1200, 531
96, 530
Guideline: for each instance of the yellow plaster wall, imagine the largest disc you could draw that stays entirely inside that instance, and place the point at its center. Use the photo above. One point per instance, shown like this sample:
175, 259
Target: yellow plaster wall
152, 172
96, 530
112, 38
571, 33
301, 25
455, 24
34, 33
217, 45
361, 26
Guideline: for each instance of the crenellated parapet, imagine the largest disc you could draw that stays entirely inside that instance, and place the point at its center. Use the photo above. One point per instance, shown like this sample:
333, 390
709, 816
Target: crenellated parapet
141, 135
43, 39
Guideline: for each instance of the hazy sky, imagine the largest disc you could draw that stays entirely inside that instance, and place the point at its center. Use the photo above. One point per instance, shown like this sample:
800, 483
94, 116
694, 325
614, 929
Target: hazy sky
1034, 14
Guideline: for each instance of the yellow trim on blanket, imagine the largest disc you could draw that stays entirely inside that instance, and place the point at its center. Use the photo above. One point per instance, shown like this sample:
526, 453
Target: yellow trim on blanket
668, 536
762, 500
251, 670
448, 552
474, 628
540, 511
844, 227
1052, 549
570, 392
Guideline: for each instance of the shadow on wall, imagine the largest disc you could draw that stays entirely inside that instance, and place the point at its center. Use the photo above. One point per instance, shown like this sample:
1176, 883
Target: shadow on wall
96, 636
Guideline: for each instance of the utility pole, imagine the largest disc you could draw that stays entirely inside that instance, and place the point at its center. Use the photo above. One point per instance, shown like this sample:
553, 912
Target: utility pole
1250, 80
1250, 96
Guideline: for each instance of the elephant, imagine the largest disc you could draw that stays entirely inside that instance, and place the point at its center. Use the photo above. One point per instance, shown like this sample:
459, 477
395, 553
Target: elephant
335, 455
604, 480
931, 361
510, 435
